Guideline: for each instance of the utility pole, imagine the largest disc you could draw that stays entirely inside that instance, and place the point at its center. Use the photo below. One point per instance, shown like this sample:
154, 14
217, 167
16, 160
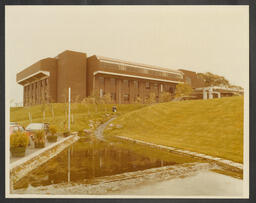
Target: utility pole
68, 164
69, 95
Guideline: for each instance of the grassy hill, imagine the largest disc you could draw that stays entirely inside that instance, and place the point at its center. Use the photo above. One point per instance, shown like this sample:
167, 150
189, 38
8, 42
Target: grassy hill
213, 127
83, 114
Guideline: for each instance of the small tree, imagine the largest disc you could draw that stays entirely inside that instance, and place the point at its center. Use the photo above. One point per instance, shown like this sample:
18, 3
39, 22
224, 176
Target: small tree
138, 100
43, 104
183, 89
151, 99
107, 98
211, 79
165, 97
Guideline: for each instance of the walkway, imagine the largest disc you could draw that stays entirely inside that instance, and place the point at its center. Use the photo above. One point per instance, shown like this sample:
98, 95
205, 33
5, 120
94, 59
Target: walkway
99, 131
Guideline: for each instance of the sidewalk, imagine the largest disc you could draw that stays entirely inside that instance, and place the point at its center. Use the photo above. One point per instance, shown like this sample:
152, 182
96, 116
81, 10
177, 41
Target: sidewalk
31, 150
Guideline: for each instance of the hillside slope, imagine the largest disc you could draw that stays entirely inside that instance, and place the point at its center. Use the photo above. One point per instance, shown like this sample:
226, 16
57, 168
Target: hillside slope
213, 127
84, 115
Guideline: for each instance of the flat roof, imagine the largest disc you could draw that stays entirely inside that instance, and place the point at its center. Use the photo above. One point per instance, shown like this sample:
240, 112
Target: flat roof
35, 76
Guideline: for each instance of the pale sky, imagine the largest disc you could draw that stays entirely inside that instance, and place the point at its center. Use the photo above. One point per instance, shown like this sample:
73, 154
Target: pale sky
198, 38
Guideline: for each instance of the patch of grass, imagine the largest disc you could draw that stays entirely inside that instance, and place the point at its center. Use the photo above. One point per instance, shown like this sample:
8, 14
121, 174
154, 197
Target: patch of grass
213, 127
153, 153
83, 114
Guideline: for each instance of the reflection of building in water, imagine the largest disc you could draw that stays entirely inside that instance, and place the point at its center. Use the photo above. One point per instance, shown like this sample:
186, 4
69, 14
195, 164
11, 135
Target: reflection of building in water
48, 79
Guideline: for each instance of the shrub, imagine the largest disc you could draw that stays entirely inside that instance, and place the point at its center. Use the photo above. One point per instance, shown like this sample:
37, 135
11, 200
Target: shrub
107, 98
183, 89
19, 139
164, 97
39, 137
52, 138
53, 129
66, 133
81, 133
151, 99
138, 100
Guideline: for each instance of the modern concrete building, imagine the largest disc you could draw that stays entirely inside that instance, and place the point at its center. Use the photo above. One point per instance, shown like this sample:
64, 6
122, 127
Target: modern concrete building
48, 80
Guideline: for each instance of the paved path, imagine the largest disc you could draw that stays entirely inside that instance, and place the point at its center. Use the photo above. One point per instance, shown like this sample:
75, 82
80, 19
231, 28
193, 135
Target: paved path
99, 131
31, 150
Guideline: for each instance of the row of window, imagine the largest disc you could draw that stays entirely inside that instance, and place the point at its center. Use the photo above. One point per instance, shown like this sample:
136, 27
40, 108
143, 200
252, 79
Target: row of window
128, 68
148, 85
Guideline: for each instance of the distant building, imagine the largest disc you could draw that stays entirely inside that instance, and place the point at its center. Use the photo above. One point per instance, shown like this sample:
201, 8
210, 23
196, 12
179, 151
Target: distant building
48, 79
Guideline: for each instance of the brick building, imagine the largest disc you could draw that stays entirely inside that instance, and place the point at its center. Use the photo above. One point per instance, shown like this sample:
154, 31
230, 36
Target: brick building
48, 79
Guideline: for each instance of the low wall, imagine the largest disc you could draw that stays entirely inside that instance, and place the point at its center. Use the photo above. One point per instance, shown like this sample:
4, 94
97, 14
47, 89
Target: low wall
22, 167
234, 165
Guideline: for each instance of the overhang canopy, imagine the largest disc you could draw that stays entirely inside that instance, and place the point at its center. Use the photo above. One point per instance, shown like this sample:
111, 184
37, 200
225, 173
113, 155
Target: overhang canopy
33, 77
221, 89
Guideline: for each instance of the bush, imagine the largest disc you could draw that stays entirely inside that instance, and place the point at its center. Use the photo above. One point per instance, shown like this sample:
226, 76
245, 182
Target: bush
39, 138
66, 133
183, 89
52, 138
53, 129
19, 139
164, 97
81, 133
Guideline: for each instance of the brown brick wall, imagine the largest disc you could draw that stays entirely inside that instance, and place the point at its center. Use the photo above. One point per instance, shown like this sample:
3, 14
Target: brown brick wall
71, 73
48, 64
124, 87
92, 64
192, 76
75, 70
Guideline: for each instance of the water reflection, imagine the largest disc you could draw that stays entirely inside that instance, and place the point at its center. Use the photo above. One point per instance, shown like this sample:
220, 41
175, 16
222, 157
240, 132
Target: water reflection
90, 159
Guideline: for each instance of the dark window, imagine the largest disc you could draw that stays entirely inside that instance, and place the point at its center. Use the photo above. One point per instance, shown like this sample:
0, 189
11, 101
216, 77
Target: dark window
155, 86
171, 89
101, 81
144, 71
136, 97
188, 80
122, 67
113, 96
126, 97
147, 85
125, 82
112, 82
136, 85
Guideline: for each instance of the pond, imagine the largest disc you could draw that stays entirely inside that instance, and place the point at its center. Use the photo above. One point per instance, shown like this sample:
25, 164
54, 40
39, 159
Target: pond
93, 158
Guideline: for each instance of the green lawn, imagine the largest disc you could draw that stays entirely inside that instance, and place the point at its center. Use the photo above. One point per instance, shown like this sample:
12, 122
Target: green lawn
213, 127
82, 114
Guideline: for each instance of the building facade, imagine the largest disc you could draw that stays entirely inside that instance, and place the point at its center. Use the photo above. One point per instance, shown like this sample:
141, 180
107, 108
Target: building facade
48, 80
